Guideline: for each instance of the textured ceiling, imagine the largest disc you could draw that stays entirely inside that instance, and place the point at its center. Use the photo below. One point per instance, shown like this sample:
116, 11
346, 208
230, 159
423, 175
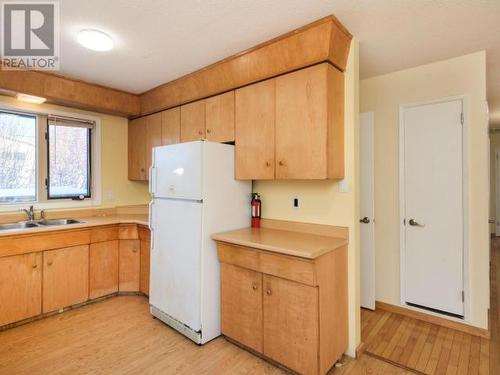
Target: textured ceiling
158, 41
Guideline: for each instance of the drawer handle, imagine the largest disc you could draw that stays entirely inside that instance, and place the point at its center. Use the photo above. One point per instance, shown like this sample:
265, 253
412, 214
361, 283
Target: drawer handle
134, 250
268, 292
268, 163
34, 266
282, 163
208, 131
254, 286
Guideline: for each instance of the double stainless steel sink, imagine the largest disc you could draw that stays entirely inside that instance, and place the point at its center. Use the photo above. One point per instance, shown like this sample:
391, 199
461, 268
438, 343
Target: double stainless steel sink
37, 223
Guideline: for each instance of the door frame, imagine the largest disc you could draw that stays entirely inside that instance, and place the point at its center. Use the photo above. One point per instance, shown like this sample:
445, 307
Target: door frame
371, 116
465, 204
497, 191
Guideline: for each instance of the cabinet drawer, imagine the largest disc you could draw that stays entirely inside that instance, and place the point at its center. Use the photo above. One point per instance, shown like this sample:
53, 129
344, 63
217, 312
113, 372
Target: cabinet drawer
287, 267
239, 256
104, 234
128, 232
290, 268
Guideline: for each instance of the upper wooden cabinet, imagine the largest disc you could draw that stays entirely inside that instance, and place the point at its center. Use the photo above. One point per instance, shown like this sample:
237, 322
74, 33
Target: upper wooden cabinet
289, 128
21, 287
254, 131
147, 132
137, 149
153, 137
193, 121
171, 126
219, 119
304, 120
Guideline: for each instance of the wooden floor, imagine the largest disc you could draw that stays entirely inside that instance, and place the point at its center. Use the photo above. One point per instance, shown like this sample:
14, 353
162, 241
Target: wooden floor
119, 336
432, 349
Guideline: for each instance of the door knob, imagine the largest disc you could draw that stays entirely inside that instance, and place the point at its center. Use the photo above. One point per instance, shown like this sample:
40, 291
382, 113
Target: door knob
414, 223
254, 286
365, 220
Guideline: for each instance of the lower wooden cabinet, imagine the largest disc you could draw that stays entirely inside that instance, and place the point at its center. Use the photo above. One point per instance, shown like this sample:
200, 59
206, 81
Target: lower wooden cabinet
65, 277
129, 268
291, 324
241, 305
103, 268
21, 293
290, 309
74, 267
145, 266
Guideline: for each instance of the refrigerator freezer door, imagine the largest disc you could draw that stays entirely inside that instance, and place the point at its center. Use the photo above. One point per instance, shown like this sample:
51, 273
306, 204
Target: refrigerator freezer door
176, 260
178, 171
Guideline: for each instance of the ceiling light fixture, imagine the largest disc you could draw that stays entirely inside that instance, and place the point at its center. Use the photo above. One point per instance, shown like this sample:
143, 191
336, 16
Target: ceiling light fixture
95, 40
30, 98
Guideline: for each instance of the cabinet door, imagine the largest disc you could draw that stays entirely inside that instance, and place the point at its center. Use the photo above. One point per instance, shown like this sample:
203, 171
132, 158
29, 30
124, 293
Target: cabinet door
241, 305
103, 268
65, 277
254, 131
171, 126
153, 137
193, 121
145, 261
291, 324
301, 124
129, 269
20, 287
137, 149
220, 117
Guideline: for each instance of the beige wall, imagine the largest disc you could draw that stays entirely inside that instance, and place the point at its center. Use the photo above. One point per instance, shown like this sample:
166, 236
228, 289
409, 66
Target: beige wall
321, 202
114, 144
383, 95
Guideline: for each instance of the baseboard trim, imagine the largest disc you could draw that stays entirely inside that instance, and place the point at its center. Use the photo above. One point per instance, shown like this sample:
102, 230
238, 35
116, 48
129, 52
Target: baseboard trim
462, 327
361, 348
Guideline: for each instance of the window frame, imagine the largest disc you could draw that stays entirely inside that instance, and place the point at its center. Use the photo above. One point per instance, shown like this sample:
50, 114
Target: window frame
37, 155
43, 111
89, 166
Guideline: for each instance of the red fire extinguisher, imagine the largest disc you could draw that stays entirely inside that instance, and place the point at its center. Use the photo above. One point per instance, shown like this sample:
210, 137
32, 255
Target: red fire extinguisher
256, 206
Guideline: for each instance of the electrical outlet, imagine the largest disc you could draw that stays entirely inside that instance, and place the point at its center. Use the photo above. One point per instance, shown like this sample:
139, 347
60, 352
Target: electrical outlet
110, 196
295, 202
343, 186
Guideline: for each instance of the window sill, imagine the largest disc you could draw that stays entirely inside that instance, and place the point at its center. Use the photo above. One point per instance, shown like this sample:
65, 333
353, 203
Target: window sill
57, 204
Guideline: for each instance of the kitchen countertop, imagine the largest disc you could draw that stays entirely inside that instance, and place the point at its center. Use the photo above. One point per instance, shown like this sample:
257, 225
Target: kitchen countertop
86, 222
304, 245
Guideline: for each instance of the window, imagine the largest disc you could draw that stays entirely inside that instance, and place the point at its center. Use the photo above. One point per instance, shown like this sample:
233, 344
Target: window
18, 158
69, 158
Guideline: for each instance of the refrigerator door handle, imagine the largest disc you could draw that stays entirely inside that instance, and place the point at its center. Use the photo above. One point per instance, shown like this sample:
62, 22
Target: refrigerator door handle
151, 230
152, 180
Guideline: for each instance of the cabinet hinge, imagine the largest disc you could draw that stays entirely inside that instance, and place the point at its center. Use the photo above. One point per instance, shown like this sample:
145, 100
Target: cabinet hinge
462, 118
46, 136
463, 296
46, 183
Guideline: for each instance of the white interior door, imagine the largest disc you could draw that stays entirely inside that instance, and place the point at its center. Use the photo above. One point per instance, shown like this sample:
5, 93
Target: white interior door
367, 213
432, 205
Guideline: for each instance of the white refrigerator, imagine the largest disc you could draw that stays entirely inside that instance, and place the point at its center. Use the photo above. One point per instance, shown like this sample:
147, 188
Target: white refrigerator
194, 196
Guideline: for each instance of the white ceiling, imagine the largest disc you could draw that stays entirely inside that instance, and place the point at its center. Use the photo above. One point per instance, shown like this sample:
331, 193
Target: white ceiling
158, 41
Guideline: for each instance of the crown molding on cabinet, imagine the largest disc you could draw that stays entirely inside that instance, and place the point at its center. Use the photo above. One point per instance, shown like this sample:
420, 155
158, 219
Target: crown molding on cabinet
70, 92
323, 40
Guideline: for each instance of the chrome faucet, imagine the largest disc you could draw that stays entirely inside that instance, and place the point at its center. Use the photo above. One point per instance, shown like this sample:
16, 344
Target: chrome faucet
30, 213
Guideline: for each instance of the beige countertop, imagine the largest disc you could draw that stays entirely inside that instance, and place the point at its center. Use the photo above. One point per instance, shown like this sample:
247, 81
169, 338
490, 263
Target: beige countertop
304, 245
85, 222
